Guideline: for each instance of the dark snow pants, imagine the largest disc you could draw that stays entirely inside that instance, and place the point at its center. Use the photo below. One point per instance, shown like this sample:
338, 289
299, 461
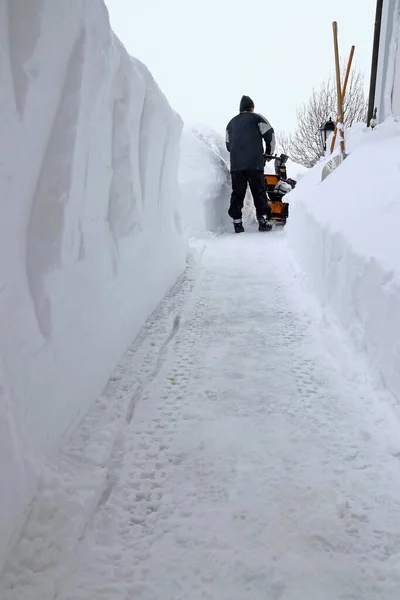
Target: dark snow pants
256, 181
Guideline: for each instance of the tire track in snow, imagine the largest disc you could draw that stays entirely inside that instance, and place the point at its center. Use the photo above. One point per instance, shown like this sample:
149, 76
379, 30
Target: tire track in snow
72, 489
142, 479
176, 297
117, 454
160, 360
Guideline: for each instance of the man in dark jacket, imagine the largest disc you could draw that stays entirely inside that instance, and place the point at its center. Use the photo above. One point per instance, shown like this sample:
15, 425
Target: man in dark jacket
244, 136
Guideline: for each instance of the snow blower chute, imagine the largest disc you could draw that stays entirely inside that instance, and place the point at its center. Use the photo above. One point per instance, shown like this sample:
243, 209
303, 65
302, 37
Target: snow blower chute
277, 186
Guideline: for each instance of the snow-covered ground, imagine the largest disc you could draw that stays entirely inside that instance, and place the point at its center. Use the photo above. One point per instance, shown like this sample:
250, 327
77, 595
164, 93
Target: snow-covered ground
90, 234
238, 451
345, 233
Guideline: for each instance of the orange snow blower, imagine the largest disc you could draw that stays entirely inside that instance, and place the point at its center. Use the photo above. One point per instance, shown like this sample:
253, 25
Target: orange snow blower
277, 186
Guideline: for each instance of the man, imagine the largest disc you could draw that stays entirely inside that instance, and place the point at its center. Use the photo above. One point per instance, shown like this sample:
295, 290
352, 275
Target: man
244, 136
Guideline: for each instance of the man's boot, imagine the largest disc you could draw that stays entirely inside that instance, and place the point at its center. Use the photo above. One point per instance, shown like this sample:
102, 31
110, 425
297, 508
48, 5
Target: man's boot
264, 224
238, 225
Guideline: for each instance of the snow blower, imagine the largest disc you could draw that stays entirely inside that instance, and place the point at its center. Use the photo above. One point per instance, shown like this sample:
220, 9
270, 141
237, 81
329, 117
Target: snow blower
277, 186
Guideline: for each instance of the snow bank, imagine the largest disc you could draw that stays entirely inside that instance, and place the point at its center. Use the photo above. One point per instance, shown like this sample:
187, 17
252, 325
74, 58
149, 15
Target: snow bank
90, 239
345, 232
204, 180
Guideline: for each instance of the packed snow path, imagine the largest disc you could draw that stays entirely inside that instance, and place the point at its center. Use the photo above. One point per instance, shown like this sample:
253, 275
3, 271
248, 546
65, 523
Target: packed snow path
239, 452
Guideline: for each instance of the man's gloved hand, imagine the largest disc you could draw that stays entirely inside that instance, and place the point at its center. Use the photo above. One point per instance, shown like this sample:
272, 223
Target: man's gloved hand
267, 158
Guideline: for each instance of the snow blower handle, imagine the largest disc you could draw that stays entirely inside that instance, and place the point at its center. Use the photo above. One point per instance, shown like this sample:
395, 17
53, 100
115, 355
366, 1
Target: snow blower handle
268, 157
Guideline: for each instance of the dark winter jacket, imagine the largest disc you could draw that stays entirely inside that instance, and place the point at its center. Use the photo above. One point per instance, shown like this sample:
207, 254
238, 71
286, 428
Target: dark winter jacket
244, 135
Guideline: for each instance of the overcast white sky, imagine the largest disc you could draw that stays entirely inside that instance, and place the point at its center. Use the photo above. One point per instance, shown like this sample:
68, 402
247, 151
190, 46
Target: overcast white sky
206, 54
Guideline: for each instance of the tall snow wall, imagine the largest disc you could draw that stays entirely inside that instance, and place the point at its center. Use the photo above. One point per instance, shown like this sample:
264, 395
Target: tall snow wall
90, 233
205, 181
344, 232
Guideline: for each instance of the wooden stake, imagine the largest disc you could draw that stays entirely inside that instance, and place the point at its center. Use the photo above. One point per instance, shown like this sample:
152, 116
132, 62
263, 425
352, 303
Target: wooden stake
338, 88
346, 79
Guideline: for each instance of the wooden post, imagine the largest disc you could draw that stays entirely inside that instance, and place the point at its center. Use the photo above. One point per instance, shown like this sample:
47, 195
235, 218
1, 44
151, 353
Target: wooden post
338, 88
346, 79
